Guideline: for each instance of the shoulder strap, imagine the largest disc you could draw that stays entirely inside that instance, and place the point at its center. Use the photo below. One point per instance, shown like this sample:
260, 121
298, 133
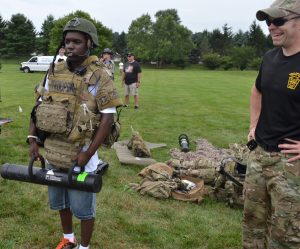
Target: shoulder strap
118, 113
39, 90
45, 78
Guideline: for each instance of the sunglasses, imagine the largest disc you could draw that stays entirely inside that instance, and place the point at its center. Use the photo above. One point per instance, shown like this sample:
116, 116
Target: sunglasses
129, 55
279, 21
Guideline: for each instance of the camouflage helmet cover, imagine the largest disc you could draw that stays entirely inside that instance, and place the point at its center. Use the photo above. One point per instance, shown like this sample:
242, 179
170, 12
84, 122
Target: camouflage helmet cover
82, 25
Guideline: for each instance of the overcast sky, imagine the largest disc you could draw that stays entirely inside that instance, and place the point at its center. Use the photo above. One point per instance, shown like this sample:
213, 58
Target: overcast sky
196, 15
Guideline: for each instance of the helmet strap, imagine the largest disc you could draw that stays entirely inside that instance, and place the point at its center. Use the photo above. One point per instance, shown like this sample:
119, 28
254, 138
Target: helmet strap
89, 44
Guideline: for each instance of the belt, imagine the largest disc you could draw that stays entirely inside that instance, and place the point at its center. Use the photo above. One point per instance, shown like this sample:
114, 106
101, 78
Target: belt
269, 148
252, 144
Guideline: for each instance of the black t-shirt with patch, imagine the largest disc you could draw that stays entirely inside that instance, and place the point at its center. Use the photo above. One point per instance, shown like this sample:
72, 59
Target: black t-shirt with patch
131, 71
279, 83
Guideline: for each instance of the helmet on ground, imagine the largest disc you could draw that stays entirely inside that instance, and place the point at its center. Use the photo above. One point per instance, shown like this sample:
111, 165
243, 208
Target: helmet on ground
107, 51
84, 26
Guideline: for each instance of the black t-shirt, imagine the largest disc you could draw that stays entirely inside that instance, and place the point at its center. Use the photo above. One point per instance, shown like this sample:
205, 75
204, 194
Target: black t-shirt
131, 71
278, 81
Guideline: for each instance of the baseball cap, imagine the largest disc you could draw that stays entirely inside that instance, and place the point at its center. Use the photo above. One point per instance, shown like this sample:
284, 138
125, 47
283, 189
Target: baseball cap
130, 53
280, 8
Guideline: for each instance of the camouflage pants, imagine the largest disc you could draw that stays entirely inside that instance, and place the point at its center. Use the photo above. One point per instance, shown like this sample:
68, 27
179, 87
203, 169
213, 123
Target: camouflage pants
272, 202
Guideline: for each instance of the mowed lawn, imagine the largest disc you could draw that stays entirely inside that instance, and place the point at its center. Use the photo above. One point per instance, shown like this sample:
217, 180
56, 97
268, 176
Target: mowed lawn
202, 104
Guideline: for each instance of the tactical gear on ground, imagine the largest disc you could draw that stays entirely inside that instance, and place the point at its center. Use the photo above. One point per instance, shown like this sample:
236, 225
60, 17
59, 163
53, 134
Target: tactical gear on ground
84, 26
223, 170
125, 156
184, 142
201, 168
138, 146
228, 185
159, 182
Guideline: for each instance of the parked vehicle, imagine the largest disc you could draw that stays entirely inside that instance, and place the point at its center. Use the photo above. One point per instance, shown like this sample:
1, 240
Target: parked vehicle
36, 63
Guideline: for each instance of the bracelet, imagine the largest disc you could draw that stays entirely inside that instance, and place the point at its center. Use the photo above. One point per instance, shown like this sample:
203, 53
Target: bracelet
31, 136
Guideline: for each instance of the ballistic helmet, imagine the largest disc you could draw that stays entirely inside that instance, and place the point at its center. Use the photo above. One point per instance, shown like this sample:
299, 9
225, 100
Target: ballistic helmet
84, 26
107, 51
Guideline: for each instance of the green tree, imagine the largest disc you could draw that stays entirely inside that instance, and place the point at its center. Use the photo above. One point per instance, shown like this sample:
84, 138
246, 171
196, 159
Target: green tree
227, 62
205, 46
172, 42
194, 56
221, 42
242, 56
3, 25
240, 39
43, 40
257, 39
227, 39
201, 46
119, 44
255, 63
20, 37
139, 37
104, 34
216, 41
212, 60
196, 51
269, 44
183, 45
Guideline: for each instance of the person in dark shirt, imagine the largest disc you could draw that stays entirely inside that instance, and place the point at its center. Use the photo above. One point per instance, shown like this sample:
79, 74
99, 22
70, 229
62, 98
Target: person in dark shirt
131, 80
272, 184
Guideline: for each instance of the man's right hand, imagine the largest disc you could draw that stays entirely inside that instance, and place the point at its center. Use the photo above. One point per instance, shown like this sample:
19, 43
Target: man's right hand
34, 149
251, 134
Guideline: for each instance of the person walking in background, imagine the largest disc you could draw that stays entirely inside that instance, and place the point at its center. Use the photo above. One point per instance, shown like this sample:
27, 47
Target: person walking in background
89, 95
272, 184
121, 67
106, 58
61, 55
131, 80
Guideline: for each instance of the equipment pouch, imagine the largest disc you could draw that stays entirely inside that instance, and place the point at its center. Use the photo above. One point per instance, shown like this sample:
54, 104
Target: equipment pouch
113, 135
114, 132
52, 118
61, 153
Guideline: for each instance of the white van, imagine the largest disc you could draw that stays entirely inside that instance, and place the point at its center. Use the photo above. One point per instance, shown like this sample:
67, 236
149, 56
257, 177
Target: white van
36, 63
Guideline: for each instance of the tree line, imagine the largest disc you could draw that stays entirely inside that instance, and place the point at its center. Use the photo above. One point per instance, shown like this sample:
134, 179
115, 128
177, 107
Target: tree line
162, 41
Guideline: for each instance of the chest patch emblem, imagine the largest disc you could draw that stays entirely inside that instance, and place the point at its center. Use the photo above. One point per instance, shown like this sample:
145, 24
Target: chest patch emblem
294, 79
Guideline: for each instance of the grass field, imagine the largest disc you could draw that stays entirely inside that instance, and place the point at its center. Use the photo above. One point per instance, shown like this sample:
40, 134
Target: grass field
202, 104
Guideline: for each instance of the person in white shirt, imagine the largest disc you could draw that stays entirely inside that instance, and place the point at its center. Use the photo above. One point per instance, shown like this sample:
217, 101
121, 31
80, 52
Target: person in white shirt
61, 55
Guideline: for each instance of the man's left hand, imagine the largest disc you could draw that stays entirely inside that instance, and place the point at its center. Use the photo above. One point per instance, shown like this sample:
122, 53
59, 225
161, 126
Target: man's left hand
293, 147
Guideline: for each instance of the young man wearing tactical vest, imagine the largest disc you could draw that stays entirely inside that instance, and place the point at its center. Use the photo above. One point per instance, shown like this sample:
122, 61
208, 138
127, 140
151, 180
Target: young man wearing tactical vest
106, 58
272, 184
77, 94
